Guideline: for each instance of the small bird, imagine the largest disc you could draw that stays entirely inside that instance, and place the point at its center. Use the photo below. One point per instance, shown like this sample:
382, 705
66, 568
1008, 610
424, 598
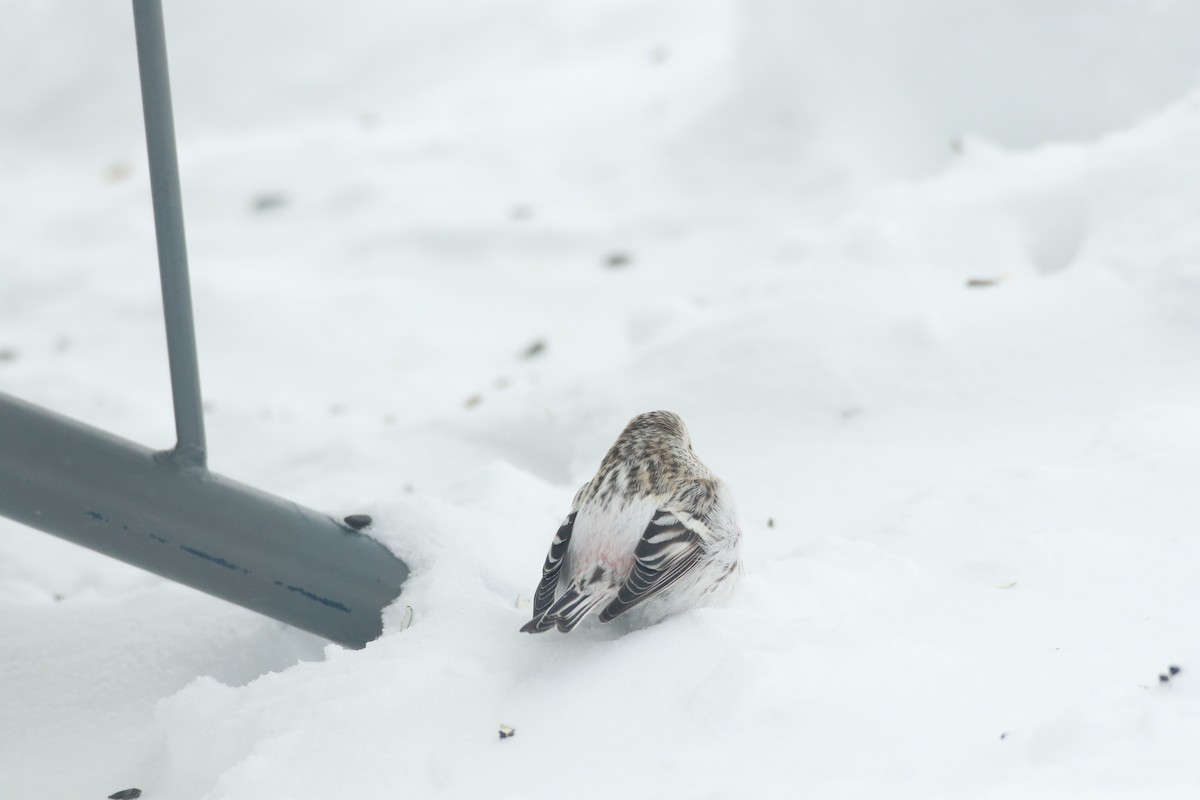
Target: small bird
654, 531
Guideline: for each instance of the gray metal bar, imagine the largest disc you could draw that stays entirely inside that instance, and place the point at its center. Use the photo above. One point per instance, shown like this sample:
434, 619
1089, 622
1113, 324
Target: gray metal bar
191, 526
165, 512
168, 225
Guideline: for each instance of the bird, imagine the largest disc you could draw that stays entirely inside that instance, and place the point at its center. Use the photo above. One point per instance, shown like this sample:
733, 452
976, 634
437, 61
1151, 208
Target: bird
654, 532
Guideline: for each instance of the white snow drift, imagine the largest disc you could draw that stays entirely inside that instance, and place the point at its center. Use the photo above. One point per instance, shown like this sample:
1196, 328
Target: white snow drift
921, 277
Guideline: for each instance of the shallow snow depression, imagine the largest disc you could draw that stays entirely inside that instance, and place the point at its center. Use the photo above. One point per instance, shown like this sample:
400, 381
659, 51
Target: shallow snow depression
929, 309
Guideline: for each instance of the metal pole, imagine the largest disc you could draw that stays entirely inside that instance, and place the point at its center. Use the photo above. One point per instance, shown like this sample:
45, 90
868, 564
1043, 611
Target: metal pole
190, 446
165, 512
200, 529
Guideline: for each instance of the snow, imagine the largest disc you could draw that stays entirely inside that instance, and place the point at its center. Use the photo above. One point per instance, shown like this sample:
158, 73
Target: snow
968, 509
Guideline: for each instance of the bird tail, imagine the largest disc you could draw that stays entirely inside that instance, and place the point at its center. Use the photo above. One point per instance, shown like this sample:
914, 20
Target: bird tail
567, 611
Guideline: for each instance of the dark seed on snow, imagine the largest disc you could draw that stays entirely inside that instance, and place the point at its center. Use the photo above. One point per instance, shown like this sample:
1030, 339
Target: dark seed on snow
358, 521
1164, 678
1175, 670
266, 201
125, 794
506, 731
537, 347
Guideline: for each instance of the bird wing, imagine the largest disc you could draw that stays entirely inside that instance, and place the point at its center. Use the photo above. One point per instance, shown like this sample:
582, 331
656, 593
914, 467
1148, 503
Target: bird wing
671, 546
544, 597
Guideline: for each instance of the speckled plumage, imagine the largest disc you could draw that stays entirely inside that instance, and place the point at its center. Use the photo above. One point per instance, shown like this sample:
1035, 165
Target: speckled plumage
654, 531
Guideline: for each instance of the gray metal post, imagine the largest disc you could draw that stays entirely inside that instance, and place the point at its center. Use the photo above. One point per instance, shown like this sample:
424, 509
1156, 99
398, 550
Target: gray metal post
168, 225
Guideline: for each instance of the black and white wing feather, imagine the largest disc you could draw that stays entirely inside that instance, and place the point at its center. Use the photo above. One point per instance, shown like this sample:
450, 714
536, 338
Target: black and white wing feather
552, 569
674, 542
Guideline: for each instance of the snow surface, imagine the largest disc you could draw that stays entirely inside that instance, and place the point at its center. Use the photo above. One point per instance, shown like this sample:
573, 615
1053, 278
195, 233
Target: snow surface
970, 510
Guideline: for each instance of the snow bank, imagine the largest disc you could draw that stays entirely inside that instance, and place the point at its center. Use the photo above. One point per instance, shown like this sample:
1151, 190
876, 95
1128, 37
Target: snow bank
888, 88
958, 410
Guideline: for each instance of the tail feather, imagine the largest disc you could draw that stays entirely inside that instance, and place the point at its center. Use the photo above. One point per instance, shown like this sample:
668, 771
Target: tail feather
567, 611
568, 618
537, 625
